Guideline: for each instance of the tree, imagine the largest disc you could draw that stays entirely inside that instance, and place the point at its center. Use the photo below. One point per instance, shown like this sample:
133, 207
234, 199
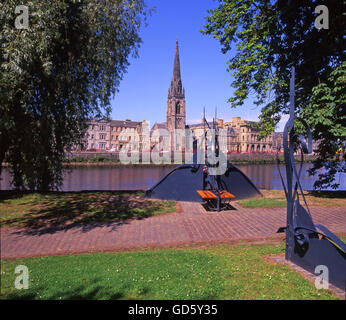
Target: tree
327, 117
268, 37
55, 75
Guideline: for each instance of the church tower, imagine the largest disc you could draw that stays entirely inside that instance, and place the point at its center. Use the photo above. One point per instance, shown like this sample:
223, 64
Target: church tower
176, 118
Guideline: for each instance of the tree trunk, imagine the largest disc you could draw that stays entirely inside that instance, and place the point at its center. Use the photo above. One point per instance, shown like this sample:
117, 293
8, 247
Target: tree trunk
4, 146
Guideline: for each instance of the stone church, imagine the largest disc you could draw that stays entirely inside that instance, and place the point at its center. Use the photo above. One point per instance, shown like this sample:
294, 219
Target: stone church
176, 115
241, 134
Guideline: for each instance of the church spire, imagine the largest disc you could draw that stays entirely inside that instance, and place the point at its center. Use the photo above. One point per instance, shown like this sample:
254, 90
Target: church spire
176, 115
176, 68
176, 89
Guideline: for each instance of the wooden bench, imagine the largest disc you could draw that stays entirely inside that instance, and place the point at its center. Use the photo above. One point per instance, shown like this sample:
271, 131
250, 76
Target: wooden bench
215, 199
206, 194
226, 195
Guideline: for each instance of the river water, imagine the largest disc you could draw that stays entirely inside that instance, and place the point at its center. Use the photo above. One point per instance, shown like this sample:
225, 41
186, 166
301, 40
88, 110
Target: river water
264, 176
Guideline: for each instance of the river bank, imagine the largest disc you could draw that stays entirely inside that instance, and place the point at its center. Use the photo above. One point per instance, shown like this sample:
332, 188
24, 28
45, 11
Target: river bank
240, 158
116, 176
104, 160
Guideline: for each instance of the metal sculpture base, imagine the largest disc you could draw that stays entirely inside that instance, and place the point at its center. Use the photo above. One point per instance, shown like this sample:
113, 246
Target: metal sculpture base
182, 183
313, 247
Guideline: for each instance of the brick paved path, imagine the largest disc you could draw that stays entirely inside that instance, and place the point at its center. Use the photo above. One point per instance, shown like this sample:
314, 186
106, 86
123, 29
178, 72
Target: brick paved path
192, 225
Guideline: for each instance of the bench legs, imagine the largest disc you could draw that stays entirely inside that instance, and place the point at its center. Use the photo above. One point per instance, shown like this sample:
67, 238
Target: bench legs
214, 204
215, 200
218, 208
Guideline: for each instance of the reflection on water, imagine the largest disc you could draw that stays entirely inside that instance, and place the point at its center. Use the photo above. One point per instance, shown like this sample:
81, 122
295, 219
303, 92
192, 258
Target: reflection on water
264, 176
109, 178
267, 176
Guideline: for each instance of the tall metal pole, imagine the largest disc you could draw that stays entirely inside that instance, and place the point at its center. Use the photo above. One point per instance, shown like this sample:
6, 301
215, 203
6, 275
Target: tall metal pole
288, 145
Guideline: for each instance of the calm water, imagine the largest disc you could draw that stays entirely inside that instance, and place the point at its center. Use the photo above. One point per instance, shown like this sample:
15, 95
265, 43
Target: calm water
131, 178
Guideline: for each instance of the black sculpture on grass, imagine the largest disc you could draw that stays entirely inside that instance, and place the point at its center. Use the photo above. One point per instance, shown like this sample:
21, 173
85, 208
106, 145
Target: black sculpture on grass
183, 182
307, 245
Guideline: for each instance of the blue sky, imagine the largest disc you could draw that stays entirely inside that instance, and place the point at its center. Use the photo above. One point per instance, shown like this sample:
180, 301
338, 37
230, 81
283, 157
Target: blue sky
144, 88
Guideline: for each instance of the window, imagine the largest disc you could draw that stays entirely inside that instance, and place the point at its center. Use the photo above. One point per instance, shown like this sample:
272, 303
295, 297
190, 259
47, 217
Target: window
102, 136
177, 107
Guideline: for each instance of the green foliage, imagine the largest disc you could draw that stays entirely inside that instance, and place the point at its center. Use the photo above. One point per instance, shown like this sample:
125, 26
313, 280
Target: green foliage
56, 75
98, 159
327, 117
76, 159
267, 38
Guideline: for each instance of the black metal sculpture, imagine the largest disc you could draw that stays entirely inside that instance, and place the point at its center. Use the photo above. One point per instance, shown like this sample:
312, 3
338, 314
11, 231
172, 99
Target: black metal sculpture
182, 183
307, 245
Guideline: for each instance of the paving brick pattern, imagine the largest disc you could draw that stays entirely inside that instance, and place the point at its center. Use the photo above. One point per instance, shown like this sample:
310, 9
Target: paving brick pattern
193, 224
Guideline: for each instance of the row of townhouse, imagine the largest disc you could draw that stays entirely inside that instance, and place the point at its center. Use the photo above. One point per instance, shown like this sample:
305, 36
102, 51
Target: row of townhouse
242, 136
112, 135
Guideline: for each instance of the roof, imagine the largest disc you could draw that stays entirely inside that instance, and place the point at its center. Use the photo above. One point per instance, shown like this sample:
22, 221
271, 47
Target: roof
159, 125
196, 125
231, 130
124, 123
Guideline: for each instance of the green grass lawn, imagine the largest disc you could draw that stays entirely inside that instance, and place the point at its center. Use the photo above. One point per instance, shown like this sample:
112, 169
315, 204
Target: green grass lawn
33, 210
217, 272
262, 203
276, 198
